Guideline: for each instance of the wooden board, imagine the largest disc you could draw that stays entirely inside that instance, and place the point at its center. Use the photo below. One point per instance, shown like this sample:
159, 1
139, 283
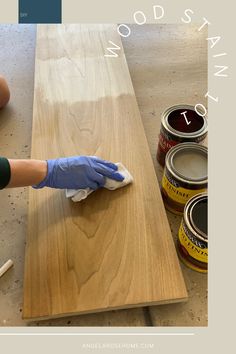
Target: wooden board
114, 250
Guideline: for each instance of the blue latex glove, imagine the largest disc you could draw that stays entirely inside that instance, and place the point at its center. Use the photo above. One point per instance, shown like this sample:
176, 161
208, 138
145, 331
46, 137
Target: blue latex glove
79, 172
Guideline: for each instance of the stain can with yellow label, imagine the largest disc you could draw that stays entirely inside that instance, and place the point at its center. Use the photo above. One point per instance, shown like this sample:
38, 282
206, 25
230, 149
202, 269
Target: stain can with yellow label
192, 244
185, 175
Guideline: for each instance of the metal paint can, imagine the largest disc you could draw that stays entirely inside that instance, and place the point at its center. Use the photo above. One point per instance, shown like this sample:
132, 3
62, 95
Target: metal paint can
185, 175
192, 244
175, 129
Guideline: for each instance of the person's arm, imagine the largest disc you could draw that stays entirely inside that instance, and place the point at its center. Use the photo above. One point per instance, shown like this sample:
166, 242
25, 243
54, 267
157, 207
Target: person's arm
27, 172
75, 172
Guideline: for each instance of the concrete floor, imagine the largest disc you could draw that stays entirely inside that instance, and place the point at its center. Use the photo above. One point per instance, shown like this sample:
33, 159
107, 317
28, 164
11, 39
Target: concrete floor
168, 65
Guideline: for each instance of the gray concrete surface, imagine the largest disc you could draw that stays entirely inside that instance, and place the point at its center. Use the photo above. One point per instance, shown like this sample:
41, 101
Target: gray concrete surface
167, 66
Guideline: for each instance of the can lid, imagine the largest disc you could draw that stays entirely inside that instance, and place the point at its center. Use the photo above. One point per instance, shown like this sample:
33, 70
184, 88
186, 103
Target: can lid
188, 162
173, 120
199, 215
196, 216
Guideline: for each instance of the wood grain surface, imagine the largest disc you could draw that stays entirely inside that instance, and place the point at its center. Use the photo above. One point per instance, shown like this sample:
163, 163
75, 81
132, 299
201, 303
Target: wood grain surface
113, 250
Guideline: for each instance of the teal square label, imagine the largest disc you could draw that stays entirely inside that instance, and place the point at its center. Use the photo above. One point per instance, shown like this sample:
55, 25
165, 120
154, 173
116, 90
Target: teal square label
40, 11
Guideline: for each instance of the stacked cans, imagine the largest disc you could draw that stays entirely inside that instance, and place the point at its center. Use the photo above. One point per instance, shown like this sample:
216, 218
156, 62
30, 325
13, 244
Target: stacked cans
185, 173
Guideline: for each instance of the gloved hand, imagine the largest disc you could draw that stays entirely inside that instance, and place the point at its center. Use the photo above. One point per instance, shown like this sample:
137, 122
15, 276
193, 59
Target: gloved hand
79, 172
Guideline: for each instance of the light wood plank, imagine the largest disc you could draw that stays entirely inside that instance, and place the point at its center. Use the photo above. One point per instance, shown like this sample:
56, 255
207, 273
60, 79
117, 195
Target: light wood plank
115, 249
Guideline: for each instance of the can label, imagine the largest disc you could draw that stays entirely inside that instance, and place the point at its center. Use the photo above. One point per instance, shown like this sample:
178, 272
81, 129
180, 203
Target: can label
176, 193
196, 248
165, 143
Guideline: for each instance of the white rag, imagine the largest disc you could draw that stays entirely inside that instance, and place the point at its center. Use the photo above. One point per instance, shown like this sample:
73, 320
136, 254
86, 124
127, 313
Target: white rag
79, 194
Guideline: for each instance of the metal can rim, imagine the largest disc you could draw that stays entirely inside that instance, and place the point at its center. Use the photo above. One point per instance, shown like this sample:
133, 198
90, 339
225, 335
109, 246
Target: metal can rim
187, 209
177, 133
174, 172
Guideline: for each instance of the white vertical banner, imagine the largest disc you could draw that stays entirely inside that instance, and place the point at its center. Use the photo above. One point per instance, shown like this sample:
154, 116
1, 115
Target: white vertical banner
9, 11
